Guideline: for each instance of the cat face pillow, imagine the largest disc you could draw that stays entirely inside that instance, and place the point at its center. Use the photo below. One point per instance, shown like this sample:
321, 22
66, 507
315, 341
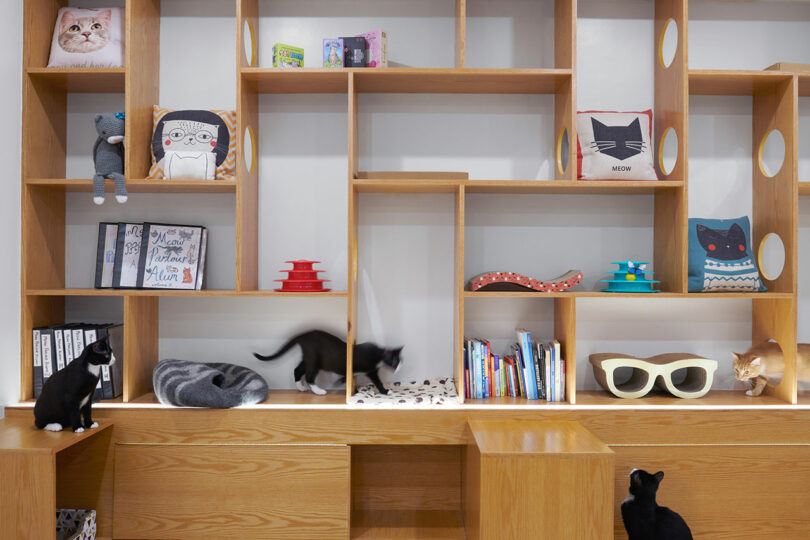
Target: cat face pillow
720, 257
615, 146
193, 144
88, 38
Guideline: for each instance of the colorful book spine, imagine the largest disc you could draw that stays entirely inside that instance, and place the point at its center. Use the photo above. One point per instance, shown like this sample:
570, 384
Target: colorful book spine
520, 371
538, 378
524, 339
547, 353
559, 382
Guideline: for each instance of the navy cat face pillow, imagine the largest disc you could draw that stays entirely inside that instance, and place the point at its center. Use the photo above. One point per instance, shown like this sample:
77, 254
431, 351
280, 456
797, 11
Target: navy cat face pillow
720, 258
615, 146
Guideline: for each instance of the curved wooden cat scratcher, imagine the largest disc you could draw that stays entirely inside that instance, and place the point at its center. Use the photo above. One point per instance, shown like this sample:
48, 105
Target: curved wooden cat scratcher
654, 371
512, 281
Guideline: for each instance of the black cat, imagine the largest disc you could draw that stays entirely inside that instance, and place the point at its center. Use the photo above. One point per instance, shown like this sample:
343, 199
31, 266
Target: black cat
323, 351
67, 394
728, 245
643, 518
620, 142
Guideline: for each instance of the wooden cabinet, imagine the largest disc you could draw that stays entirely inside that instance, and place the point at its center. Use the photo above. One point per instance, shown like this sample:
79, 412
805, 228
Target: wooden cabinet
239, 491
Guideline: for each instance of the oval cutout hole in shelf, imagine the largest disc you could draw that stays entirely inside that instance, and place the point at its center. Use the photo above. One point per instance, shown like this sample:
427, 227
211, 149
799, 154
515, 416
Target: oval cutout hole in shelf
249, 149
771, 155
563, 150
668, 43
668, 151
249, 37
771, 256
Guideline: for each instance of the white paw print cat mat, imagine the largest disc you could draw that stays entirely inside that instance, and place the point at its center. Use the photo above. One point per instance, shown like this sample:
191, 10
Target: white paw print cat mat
424, 393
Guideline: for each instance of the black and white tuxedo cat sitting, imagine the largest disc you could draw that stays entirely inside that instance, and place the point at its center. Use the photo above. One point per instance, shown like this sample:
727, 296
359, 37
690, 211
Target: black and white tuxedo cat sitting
321, 351
67, 395
643, 518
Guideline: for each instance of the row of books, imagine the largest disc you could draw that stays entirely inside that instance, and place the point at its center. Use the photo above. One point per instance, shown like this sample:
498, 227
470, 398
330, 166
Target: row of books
533, 370
54, 347
150, 256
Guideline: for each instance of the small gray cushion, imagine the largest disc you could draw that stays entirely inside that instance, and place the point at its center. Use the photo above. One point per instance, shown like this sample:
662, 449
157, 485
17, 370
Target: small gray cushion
213, 385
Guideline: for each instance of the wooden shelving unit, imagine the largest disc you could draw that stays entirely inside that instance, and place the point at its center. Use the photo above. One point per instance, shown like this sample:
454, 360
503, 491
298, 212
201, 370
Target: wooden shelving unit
44, 186
337, 452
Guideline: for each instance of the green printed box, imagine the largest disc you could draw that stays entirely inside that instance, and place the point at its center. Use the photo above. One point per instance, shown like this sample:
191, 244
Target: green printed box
287, 56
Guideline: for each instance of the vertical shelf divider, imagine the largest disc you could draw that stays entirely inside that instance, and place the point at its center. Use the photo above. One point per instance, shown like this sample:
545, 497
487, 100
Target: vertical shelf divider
247, 178
141, 329
565, 324
670, 254
461, 34
353, 216
458, 294
142, 83
565, 109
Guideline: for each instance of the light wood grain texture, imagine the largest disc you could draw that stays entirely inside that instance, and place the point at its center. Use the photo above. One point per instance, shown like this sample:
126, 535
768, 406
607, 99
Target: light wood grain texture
716, 398
141, 315
81, 80
44, 116
247, 191
601, 294
169, 292
776, 319
18, 434
353, 216
460, 58
421, 176
246, 10
415, 184
142, 60
723, 82
789, 66
458, 293
471, 496
84, 478
241, 491
407, 525
27, 496
670, 252
39, 18
140, 185
804, 188
43, 240
541, 476
408, 80
565, 325
565, 108
410, 478
714, 488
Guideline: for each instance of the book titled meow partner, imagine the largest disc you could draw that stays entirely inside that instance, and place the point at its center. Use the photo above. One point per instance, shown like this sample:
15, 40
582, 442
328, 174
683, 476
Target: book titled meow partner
171, 256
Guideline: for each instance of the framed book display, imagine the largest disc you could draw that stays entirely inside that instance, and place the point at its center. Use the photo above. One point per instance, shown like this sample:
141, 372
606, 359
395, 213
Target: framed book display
171, 257
127, 255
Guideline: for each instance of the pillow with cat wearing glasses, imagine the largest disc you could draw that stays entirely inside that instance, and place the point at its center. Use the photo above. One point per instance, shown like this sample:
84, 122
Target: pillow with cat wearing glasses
195, 144
88, 38
615, 146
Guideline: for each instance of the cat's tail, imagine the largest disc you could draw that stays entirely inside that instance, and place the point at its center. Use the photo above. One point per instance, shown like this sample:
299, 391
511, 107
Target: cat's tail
287, 346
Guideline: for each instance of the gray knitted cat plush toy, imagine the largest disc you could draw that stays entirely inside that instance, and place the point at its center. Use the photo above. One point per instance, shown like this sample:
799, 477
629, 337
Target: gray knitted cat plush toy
108, 156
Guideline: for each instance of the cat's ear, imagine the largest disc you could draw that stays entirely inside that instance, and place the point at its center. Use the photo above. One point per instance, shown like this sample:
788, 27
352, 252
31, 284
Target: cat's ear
635, 124
736, 235
68, 19
659, 476
736, 355
596, 124
704, 235
756, 361
105, 17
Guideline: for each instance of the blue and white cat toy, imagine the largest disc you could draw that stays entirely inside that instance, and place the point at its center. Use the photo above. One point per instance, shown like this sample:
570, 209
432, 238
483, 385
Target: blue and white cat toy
631, 277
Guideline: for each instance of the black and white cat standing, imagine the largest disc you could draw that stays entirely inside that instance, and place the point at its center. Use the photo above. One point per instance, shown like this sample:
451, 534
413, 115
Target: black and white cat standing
67, 395
321, 351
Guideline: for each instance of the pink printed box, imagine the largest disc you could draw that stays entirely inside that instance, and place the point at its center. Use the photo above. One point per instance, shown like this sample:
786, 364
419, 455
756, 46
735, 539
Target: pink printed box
376, 48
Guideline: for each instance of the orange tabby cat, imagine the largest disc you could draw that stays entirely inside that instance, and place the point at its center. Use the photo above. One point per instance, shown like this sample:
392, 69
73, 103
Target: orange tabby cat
764, 361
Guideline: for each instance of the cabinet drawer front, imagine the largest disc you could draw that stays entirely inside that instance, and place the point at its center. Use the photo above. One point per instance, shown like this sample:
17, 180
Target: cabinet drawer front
257, 491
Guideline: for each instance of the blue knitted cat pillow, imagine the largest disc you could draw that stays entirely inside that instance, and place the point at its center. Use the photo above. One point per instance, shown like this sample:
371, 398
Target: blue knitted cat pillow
720, 257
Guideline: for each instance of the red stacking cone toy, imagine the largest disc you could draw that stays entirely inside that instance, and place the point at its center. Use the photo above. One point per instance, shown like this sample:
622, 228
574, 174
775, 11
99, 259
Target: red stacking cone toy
302, 278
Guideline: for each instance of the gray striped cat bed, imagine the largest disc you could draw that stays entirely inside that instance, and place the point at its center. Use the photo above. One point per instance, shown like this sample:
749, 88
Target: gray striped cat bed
214, 385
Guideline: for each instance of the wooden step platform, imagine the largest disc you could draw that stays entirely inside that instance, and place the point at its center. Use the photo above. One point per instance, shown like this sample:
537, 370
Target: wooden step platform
536, 480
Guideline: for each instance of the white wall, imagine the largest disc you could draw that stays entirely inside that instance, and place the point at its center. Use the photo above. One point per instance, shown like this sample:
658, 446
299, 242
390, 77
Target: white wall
405, 242
10, 96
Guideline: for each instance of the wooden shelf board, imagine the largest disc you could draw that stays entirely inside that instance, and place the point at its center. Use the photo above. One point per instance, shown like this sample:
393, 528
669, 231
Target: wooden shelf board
159, 292
406, 80
392, 524
804, 188
275, 398
715, 398
804, 84
568, 186
442, 185
512, 401
139, 185
20, 434
81, 80
732, 82
600, 294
